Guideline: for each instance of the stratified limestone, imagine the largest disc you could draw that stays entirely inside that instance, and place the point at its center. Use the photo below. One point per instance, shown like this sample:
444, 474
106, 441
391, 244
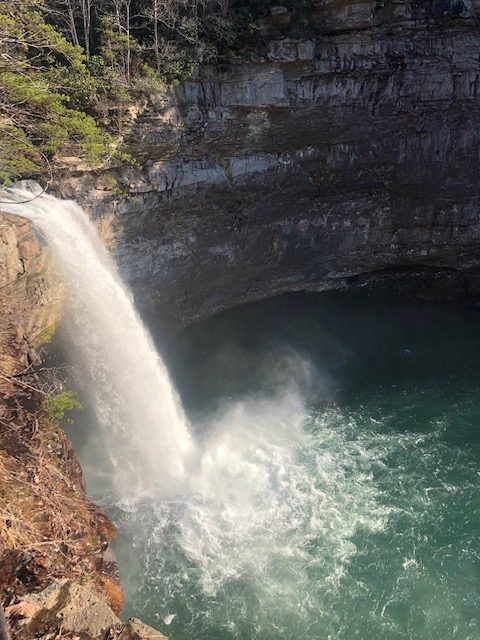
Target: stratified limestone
346, 160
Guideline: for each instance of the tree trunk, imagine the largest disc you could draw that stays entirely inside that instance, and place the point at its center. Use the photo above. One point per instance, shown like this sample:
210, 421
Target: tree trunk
155, 33
127, 28
86, 15
71, 19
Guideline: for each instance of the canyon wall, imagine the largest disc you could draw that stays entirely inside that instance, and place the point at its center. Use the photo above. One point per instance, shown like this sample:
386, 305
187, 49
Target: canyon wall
347, 160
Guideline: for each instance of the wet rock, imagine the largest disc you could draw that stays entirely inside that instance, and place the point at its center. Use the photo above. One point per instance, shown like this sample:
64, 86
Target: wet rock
18, 247
112, 588
27, 279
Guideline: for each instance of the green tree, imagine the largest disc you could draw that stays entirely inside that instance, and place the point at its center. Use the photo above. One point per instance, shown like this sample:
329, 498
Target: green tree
44, 82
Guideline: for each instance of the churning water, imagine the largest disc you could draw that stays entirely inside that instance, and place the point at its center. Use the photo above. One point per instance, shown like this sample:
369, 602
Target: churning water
339, 496
327, 487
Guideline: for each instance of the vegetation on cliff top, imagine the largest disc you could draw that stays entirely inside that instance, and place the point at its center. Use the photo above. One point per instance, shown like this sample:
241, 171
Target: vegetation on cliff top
70, 68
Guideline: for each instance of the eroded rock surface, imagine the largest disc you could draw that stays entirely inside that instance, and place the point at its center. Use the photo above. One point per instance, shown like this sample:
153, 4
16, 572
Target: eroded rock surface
49, 528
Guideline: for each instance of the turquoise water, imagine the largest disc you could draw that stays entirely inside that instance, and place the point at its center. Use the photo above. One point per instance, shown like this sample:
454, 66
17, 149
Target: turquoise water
338, 493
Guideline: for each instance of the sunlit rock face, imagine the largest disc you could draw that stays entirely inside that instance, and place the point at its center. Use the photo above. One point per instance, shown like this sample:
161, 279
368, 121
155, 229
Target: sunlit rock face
30, 291
349, 159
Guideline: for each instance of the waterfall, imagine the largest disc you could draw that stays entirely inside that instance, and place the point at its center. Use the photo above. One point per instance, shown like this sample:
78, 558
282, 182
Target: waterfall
298, 513
144, 437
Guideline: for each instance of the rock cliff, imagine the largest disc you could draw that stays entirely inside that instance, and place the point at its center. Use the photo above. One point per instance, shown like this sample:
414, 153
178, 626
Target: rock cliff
48, 526
347, 160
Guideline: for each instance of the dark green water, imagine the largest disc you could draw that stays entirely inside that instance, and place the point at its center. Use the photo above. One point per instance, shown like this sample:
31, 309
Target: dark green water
338, 495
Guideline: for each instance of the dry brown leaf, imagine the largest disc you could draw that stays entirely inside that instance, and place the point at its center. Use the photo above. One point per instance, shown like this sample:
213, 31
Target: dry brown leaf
20, 610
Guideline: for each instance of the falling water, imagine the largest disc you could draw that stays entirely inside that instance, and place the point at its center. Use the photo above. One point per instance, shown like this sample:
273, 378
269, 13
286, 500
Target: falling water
289, 519
232, 516
144, 432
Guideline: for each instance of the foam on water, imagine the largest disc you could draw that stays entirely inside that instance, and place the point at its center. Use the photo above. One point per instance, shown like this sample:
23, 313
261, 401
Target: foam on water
263, 538
320, 525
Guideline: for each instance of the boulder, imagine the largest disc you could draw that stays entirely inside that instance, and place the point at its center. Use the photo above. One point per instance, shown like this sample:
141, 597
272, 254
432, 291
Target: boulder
69, 609
277, 22
136, 630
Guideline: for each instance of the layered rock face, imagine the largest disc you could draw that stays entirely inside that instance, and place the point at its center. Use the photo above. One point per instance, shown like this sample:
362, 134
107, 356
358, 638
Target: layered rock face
350, 159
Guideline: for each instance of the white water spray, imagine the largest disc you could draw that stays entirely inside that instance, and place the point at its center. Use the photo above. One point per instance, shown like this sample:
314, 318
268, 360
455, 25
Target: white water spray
144, 430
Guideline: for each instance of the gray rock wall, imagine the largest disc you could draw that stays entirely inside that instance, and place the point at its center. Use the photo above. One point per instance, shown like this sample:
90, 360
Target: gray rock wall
349, 159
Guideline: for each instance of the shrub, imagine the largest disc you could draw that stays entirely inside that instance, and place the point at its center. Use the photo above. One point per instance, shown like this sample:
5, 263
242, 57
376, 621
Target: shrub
56, 405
